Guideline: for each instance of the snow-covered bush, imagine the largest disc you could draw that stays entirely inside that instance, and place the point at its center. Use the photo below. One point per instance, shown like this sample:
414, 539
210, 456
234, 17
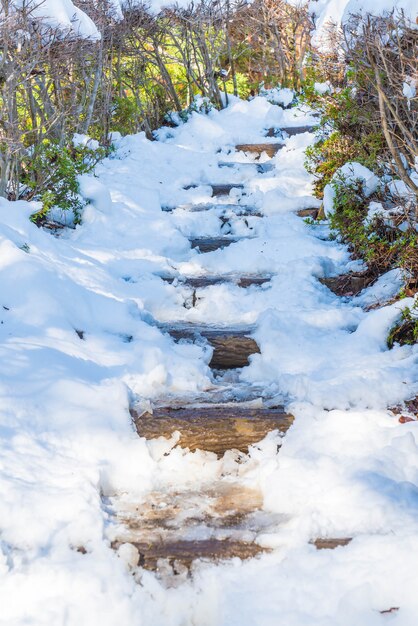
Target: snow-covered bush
277, 95
370, 235
199, 105
51, 174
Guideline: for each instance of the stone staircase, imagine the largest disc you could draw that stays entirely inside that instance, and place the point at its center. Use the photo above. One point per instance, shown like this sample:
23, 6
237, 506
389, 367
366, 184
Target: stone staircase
172, 529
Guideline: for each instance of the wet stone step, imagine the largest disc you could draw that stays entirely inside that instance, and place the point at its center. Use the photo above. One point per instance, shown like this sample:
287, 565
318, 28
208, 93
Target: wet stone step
349, 284
219, 189
237, 209
179, 555
200, 282
270, 149
231, 348
331, 543
213, 428
312, 213
209, 244
291, 131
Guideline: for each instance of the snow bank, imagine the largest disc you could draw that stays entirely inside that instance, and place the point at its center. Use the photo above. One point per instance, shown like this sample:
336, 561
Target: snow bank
62, 14
339, 12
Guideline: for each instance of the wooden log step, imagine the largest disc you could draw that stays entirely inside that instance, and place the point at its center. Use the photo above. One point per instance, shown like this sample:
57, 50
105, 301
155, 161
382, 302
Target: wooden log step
270, 149
331, 543
261, 168
209, 244
219, 189
200, 282
176, 557
231, 348
213, 428
238, 209
348, 284
291, 131
312, 213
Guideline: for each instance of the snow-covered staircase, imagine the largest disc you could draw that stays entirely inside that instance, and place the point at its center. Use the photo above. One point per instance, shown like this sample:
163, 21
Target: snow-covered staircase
175, 528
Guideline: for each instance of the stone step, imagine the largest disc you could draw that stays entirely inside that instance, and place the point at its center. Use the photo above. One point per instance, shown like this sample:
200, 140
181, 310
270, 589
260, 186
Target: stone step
291, 131
213, 428
209, 244
171, 529
224, 505
270, 149
348, 284
262, 168
237, 209
231, 347
312, 213
178, 556
219, 189
200, 282
331, 543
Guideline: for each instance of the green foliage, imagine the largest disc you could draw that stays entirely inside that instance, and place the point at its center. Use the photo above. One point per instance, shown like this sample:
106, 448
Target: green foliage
346, 134
243, 85
51, 173
405, 331
125, 115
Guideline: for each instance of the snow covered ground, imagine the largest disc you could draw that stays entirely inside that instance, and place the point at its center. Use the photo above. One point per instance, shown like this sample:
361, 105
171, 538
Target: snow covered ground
78, 319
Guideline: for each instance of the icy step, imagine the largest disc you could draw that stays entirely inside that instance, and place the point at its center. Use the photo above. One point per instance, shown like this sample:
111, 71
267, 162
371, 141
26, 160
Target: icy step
331, 543
209, 244
237, 209
213, 428
291, 131
178, 556
219, 189
231, 347
227, 388
200, 282
348, 284
312, 213
261, 168
270, 149
225, 505
172, 529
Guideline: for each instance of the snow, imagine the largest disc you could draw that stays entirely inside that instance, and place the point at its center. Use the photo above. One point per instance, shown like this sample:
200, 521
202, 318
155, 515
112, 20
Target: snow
323, 88
72, 20
277, 95
409, 89
79, 341
63, 14
338, 12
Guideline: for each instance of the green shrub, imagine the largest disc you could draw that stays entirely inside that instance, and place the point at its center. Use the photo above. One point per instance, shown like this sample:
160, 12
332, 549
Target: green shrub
405, 332
51, 174
346, 133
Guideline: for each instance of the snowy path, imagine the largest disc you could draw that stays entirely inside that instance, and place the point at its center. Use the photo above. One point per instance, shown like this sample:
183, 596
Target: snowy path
82, 326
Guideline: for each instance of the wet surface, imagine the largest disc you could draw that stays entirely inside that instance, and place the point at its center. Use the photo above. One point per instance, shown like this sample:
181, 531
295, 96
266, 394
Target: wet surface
209, 244
290, 131
172, 529
200, 282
